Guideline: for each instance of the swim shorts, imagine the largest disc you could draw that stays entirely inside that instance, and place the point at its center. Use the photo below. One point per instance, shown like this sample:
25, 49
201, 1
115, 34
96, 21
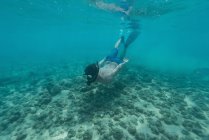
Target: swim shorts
113, 57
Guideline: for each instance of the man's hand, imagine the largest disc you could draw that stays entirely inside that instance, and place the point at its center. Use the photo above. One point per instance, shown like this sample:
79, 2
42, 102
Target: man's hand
119, 66
125, 60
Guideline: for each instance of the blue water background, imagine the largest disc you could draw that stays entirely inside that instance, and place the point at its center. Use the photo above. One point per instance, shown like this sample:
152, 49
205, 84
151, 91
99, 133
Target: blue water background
173, 34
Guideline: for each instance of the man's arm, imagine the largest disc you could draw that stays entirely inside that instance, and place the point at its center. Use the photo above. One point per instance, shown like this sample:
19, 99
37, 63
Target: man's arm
102, 62
119, 67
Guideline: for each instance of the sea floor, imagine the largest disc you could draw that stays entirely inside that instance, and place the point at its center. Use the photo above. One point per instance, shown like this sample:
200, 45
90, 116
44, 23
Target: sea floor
54, 103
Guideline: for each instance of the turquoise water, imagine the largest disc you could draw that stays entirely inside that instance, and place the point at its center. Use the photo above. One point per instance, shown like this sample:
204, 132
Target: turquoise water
173, 33
162, 93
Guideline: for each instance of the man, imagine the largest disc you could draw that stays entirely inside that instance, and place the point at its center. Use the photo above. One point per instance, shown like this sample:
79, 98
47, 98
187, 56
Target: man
106, 69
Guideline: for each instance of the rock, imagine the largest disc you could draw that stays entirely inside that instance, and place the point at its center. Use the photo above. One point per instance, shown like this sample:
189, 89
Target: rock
198, 132
163, 138
102, 129
66, 83
71, 133
188, 116
86, 89
44, 99
161, 130
185, 132
200, 115
41, 116
33, 110
149, 113
118, 111
172, 137
117, 133
87, 135
140, 136
3, 125
9, 80
141, 120
154, 129
188, 138
153, 138
14, 117
132, 129
133, 119
147, 78
117, 117
188, 124
168, 121
139, 110
119, 85
21, 137
53, 89
106, 136
206, 137
123, 124
1, 104
138, 88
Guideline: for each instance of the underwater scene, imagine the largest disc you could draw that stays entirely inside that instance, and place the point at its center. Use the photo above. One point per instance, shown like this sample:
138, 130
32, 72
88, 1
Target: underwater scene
104, 70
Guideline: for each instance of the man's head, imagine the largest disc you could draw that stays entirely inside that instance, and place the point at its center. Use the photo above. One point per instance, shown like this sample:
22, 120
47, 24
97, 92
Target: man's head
91, 71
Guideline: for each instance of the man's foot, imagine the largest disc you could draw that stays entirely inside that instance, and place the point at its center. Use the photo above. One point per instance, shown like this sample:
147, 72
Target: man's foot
128, 11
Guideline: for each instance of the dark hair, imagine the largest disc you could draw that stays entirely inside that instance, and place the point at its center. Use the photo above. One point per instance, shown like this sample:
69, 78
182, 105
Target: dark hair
91, 71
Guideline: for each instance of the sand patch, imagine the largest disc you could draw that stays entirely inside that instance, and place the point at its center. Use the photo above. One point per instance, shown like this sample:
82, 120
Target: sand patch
189, 102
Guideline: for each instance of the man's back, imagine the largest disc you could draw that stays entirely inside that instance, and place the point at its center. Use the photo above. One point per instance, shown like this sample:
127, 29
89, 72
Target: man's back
107, 72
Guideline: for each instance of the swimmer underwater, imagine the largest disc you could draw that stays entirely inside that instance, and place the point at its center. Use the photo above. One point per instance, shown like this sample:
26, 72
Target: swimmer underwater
105, 70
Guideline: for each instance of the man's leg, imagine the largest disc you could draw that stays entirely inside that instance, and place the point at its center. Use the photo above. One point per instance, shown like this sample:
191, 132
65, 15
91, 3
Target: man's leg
119, 42
114, 52
131, 38
123, 53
